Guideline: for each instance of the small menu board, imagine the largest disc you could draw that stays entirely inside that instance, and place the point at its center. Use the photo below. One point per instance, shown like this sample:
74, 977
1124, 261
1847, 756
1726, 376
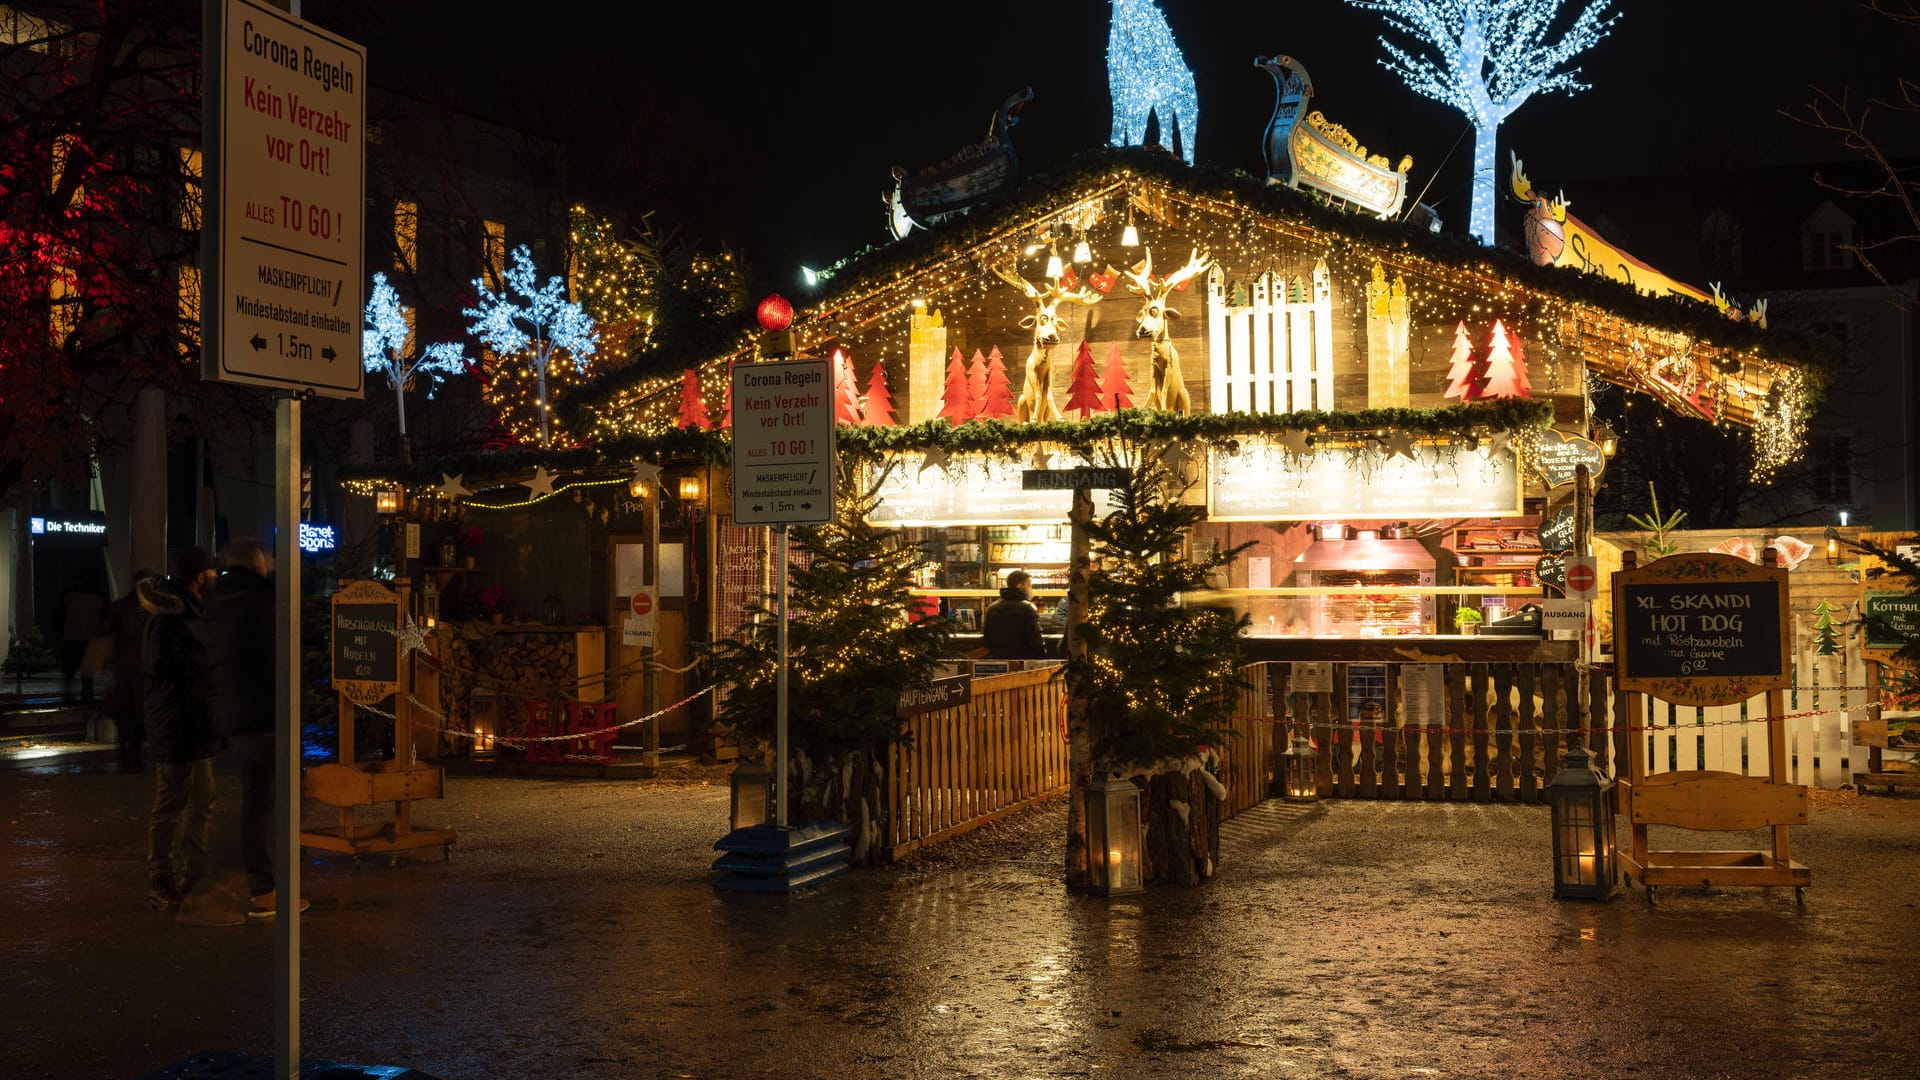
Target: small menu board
1701, 629
366, 643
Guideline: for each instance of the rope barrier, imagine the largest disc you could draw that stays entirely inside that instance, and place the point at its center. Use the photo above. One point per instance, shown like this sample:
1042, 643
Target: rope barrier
524, 740
1678, 728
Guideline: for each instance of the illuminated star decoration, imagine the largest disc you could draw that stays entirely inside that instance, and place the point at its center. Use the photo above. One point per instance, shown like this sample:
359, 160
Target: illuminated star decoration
933, 456
1146, 74
646, 474
541, 484
1296, 442
1397, 444
1485, 58
1043, 459
451, 487
412, 636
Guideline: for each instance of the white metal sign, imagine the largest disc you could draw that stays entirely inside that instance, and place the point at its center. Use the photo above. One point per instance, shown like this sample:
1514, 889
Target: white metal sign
285, 171
1583, 577
783, 443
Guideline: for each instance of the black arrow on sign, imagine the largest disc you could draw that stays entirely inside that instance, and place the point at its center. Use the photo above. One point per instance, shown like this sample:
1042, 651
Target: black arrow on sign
327, 353
757, 509
806, 506
257, 342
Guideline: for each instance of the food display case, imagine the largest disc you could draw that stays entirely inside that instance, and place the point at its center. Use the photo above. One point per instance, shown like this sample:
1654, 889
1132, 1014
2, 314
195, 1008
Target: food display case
1343, 557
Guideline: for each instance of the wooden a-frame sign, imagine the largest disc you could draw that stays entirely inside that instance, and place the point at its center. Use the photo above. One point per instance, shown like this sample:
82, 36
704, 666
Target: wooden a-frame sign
1705, 630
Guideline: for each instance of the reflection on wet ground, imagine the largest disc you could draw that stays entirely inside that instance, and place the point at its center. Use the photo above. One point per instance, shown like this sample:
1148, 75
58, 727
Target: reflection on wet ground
575, 933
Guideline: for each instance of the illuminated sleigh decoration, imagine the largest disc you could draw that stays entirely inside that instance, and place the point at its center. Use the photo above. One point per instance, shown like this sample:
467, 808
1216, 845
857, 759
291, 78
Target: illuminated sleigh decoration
974, 173
1304, 149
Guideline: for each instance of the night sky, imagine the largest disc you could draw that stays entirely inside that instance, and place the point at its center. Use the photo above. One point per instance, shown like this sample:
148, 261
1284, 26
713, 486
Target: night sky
771, 127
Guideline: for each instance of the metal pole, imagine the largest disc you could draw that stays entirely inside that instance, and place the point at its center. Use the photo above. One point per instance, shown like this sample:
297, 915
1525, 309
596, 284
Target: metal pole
780, 691
286, 768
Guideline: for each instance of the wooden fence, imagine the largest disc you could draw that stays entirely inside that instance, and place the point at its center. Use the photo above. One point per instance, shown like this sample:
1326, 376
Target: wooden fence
1249, 757
972, 763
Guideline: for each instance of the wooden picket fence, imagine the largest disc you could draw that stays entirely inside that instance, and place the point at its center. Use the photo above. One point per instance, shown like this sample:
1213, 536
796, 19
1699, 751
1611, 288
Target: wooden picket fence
967, 765
1249, 757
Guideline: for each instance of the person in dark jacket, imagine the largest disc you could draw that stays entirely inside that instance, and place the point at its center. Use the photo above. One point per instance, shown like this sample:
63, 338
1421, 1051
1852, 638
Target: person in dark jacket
1012, 628
128, 625
240, 666
179, 738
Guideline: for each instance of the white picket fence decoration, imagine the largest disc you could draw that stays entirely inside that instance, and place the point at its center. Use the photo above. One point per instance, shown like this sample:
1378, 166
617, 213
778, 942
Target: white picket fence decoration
1274, 354
1733, 738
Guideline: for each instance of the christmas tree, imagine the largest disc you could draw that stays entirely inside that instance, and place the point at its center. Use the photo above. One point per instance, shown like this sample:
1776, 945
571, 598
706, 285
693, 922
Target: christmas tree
1083, 387
1826, 640
1499, 375
1520, 366
956, 402
846, 392
1115, 394
977, 384
998, 404
693, 407
879, 410
1460, 369
855, 654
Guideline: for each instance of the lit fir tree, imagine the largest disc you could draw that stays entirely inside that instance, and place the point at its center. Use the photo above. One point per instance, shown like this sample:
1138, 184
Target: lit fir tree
526, 319
1083, 388
1501, 377
853, 656
1115, 394
616, 279
384, 350
1487, 57
879, 410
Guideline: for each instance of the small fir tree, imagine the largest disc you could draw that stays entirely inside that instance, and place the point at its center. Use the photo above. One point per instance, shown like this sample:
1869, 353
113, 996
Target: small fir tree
1826, 640
857, 651
693, 407
1083, 388
977, 383
1520, 365
1115, 394
1500, 377
846, 392
998, 404
879, 410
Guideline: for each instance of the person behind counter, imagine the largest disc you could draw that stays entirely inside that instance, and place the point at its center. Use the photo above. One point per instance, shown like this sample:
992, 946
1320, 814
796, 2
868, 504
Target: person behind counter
1012, 630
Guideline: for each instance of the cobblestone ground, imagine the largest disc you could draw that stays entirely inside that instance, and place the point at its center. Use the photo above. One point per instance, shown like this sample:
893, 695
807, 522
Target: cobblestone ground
575, 932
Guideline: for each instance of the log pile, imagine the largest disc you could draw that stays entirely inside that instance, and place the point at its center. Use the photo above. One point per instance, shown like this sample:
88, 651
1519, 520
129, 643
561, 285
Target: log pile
514, 665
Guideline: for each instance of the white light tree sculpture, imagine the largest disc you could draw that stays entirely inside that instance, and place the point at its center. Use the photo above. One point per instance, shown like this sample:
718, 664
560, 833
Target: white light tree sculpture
1488, 57
383, 352
534, 320
1147, 74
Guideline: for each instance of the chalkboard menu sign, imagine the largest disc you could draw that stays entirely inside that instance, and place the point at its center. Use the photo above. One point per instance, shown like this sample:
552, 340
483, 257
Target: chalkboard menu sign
1561, 455
1892, 618
1556, 530
366, 643
1701, 629
1551, 570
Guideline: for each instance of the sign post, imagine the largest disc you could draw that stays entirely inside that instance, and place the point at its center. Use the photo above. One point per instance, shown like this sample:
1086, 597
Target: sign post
783, 474
283, 139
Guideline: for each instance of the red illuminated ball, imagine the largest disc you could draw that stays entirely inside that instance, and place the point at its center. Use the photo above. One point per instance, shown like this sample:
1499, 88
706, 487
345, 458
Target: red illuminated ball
775, 313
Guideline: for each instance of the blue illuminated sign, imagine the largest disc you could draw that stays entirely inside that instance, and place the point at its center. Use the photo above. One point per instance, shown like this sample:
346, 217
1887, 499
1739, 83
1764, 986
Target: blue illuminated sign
315, 539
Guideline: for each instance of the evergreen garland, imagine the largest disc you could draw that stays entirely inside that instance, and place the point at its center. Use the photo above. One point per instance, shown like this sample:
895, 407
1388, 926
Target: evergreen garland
855, 651
1159, 678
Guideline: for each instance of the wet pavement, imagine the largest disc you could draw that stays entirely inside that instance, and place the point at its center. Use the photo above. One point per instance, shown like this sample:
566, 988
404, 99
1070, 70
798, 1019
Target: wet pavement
575, 932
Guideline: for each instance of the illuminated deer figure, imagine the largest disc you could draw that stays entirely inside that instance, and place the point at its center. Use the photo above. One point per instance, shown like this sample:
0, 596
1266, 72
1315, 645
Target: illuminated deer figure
1154, 321
1036, 393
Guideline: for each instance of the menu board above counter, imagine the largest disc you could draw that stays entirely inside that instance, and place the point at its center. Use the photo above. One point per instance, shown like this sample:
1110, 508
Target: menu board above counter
1265, 482
970, 491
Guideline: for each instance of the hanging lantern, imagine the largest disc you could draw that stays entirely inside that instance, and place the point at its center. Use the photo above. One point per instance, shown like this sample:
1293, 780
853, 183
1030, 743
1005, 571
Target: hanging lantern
1609, 442
752, 798
1585, 861
1130, 236
386, 502
690, 488
1297, 773
1833, 546
1082, 252
1113, 836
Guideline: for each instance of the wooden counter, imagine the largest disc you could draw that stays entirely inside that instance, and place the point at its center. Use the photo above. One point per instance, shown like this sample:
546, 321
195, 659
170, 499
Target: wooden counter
1410, 648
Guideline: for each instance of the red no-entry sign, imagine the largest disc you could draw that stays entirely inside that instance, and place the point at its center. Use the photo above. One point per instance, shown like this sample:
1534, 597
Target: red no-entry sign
1581, 578
642, 603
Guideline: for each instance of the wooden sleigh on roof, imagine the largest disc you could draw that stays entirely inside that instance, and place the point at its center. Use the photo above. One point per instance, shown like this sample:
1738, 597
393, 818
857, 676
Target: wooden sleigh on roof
969, 176
1304, 149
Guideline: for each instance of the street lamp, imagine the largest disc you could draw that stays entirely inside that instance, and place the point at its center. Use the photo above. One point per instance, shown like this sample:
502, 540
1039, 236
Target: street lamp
1113, 836
1297, 771
1585, 861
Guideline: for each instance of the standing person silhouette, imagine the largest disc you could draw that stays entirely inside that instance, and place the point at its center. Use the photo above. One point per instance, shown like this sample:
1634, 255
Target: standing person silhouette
1012, 628
179, 737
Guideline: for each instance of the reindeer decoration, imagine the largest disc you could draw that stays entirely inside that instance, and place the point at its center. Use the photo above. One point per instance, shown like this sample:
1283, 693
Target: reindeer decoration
1169, 385
1036, 393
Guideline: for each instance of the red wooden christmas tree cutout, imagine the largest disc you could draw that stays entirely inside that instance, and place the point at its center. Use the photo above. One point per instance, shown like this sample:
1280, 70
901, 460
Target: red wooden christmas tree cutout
879, 410
998, 404
1083, 386
956, 403
693, 407
1504, 377
1460, 369
1115, 394
846, 392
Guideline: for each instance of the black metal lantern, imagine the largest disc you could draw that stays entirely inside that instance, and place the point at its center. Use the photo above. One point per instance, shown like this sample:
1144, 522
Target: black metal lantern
1833, 546
752, 801
1586, 863
1113, 836
1297, 772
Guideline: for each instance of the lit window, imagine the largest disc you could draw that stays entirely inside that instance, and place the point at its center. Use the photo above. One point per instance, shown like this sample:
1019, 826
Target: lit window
493, 250
406, 236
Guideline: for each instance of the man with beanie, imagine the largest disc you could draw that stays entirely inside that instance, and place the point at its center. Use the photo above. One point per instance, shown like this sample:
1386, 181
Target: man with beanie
240, 658
1012, 627
179, 738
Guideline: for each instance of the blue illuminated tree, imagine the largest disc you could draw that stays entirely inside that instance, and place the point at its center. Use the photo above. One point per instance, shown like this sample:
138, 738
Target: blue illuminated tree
1487, 58
524, 318
1146, 74
383, 349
